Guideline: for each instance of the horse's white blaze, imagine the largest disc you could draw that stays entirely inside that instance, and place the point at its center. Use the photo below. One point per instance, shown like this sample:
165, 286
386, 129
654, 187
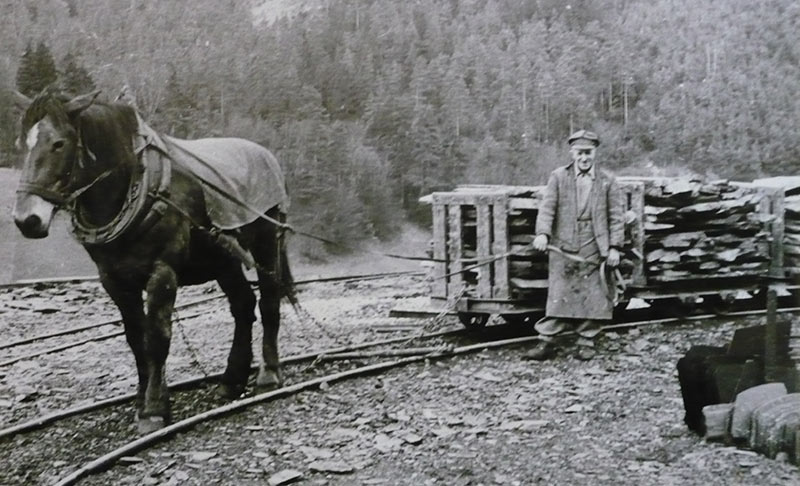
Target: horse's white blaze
28, 205
33, 136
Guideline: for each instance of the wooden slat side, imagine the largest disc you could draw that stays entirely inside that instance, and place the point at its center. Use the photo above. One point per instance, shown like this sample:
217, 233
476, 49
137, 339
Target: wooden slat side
526, 283
464, 198
637, 231
441, 265
776, 251
523, 203
454, 247
500, 245
484, 250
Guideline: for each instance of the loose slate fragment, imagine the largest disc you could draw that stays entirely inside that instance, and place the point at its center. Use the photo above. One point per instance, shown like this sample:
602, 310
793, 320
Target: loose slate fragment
336, 467
284, 477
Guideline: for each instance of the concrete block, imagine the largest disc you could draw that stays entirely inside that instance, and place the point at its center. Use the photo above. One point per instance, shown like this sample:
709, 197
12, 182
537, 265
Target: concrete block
717, 419
797, 447
747, 402
781, 437
731, 376
766, 417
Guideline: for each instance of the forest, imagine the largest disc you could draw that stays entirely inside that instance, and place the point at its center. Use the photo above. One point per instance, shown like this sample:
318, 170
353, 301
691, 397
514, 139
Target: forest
370, 104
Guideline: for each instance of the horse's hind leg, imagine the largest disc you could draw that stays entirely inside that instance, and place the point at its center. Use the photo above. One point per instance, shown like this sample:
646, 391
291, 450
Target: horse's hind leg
268, 253
243, 302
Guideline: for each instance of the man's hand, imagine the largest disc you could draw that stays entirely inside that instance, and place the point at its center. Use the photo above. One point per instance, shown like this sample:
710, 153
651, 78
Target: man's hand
613, 258
540, 242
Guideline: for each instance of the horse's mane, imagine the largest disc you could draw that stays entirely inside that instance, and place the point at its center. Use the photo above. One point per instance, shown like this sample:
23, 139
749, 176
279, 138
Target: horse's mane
48, 102
104, 124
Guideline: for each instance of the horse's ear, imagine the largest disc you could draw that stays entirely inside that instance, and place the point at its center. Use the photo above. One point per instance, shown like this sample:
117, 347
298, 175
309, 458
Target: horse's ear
20, 100
80, 103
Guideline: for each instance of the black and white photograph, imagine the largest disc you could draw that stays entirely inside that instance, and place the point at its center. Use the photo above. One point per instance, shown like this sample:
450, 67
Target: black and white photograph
401, 243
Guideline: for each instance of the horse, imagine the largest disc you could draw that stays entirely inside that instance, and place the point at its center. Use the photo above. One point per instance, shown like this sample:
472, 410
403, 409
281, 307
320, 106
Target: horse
147, 210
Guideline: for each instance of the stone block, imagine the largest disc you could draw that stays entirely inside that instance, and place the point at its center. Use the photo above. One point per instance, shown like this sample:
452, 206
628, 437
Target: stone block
766, 418
717, 419
747, 342
797, 447
781, 438
696, 387
747, 402
729, 376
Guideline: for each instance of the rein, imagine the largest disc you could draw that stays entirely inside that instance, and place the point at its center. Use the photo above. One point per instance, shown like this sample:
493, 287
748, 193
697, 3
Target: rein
61, 199
614, 287
64, 198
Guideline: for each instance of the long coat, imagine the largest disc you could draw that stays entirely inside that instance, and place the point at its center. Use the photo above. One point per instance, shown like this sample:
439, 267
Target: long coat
575, 290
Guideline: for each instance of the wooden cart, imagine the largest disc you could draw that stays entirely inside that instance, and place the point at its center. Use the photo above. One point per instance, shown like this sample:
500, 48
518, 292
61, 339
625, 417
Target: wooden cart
483, 264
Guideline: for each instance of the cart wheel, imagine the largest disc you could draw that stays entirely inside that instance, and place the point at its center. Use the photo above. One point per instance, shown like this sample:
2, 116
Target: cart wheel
678, 307
718, 305
518, 319
473, 320
619, 311
672, 307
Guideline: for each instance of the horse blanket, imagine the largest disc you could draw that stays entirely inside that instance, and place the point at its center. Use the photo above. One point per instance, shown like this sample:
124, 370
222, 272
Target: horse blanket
241, 180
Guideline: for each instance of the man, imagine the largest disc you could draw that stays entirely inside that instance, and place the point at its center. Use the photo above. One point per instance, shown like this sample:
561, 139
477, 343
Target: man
581, 223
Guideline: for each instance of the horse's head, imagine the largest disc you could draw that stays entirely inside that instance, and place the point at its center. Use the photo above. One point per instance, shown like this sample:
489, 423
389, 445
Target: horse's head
51, 143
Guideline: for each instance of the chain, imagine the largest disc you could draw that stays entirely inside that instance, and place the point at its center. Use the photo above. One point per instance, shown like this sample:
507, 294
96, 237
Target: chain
194, 356
302, 312
436, 320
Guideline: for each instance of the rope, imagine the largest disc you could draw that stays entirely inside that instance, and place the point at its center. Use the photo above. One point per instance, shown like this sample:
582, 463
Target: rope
613, 292
327, 241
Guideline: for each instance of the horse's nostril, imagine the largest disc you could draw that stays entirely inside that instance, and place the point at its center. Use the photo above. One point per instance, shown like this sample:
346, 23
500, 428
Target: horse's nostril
30, 225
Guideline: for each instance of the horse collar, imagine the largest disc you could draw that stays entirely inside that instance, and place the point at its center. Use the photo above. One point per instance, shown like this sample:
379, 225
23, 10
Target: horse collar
141, 208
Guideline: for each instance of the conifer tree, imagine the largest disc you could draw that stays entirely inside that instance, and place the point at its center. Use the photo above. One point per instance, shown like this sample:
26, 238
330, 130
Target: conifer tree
37, 69
75, 78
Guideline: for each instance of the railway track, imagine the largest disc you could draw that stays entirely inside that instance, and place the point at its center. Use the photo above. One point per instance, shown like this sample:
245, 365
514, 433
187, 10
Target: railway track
104, 428
180, 307
104, 442
97, 426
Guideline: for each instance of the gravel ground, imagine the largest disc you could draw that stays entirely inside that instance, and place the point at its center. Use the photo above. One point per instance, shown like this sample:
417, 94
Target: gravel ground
488, 418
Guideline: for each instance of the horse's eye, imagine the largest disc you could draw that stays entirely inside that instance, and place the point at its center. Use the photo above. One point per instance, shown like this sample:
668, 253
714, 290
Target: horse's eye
58, 145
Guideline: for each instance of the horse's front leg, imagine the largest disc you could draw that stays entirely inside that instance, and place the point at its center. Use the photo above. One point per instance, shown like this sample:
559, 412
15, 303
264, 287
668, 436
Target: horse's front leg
162, 287
131, 307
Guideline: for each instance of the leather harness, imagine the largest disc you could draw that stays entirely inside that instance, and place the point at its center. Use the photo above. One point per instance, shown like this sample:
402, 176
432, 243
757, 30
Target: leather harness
143, 205
144, 202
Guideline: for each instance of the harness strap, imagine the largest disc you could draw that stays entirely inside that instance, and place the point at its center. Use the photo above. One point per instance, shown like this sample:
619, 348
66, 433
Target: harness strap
56, 197
140, 210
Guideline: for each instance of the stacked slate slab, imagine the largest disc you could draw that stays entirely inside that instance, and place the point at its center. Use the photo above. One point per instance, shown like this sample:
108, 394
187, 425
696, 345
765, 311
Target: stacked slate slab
693, 230
791, 235
705, 229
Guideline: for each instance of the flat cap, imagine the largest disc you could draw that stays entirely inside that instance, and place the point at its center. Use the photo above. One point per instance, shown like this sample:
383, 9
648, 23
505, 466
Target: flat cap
584, 137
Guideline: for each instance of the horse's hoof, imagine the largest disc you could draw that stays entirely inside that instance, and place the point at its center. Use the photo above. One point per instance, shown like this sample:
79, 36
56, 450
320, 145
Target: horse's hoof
227, 391
147, 425
268, 380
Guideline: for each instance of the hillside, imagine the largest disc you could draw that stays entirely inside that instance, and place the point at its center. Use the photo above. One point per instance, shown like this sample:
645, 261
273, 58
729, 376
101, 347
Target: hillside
370, 104
268, 11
